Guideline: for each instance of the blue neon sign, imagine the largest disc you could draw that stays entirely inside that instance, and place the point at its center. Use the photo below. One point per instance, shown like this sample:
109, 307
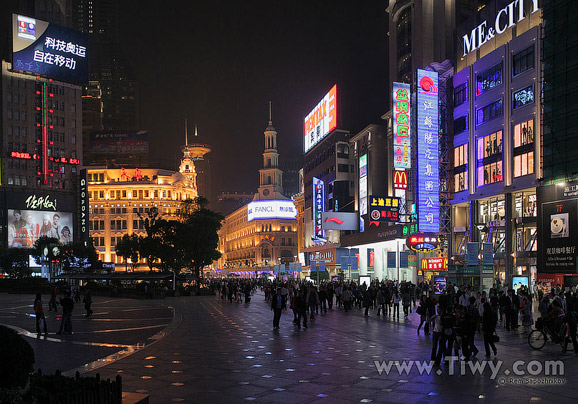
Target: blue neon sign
427, 151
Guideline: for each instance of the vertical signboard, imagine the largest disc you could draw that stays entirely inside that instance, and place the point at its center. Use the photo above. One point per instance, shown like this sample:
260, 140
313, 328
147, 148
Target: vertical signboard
318, 208
84, 233
392, 259
427, 151
473, 251
363, 185
401, 126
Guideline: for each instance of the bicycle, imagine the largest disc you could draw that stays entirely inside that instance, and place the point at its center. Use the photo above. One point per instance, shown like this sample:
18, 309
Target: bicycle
538, 337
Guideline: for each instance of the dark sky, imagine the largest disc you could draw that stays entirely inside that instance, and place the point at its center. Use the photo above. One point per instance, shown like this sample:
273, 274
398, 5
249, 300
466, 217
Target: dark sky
218, 63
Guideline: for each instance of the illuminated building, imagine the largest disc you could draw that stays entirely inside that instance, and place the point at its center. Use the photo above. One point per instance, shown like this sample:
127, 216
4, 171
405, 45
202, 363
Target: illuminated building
42, 143
118, 196
199, 149
262, 234
497, 116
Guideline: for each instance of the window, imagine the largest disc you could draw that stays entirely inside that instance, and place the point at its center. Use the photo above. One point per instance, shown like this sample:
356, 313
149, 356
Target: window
460, 124
489, 79
460, 94
461, 155
524, 133
343, 168
460, 178
523, 61
490, 145
490, 173
523, 97
489, 111
524, 164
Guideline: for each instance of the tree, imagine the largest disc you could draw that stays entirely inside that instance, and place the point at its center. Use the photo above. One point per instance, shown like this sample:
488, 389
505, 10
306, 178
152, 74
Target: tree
128, 248
151, 243
78, 255
46, 248
200, 232
14, 261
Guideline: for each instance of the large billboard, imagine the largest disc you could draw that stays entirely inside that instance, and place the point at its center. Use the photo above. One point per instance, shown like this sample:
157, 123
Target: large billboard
48, 50
340, 221
363, 184
318, 208
427, 151
384, 208
119, 142
26, 226
401, 126
322, 120
558, 229
273, 209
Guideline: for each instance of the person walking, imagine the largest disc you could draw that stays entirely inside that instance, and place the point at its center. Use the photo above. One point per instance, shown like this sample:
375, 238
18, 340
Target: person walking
39, 313
422, 310
67, 306
380, 301
437, 332
52, 301
301, 307
470, 326
88, 303
406, 301
277, 305
489, 324
396, 299
367, 301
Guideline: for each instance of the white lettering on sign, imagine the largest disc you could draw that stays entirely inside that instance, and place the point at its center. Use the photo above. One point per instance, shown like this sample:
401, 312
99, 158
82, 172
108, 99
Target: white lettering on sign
44, 202
273, 209
506, 18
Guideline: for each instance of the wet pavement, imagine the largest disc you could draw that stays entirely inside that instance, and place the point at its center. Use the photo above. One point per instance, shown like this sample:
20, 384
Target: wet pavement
206, 350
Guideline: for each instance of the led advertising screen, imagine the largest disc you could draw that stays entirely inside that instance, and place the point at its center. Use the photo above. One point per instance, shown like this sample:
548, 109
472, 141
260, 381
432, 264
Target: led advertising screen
384, 208
48, 50
322, 120
363, 184
318, 208
427, 151
26, 226
401, 126
119, 142
274, 209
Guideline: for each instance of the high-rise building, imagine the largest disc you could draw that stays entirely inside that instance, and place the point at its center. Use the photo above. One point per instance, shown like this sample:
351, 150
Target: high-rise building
422, 32
42, 148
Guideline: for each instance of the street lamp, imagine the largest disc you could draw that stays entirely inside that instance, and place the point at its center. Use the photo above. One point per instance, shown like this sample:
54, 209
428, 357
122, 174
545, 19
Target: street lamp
349, 263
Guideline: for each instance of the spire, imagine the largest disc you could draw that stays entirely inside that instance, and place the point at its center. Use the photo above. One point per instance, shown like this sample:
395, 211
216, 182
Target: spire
196, 130
186, 133
270, 118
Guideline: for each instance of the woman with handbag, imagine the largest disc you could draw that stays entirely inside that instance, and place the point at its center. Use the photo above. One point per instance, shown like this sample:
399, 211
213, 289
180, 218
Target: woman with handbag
489, 324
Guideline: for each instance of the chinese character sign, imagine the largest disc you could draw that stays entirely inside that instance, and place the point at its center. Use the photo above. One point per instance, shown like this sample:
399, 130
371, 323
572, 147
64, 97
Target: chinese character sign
318, 208
49, 50
401, 126
322, 120
384, 208
427, 151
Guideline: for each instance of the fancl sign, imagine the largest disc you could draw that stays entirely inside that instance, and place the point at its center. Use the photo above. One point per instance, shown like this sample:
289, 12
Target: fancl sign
506, 18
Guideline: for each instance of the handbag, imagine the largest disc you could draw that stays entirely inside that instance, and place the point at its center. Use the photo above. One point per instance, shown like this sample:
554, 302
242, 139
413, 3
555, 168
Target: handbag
495, 337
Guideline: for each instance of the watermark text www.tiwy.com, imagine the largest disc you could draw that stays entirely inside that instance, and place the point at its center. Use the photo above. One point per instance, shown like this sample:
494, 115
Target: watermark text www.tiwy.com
521, 372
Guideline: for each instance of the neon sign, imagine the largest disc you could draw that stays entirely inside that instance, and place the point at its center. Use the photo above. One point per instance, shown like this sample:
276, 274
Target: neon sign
399, 179
401, 126
28, 156
427, 151
423, 242
322, 120
384, 209
434, 264
318, 208
505, 19
43, 202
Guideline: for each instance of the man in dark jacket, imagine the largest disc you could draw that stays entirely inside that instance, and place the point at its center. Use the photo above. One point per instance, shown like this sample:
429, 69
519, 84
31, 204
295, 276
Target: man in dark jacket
67, 306
277, 305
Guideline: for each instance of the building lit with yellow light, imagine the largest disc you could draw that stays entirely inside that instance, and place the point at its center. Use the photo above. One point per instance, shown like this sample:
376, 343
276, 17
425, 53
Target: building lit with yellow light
263, 233
118, 196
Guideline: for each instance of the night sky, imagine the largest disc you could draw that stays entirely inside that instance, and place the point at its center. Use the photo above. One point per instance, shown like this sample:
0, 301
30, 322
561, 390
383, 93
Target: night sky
218, 63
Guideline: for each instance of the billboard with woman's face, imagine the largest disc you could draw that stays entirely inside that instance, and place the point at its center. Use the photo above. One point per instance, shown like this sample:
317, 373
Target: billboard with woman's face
26, 226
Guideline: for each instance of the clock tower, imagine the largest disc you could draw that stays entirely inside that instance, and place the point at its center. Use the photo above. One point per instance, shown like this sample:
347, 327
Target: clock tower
270, 176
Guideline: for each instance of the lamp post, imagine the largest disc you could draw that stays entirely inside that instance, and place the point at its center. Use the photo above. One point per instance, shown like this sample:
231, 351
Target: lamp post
349, 263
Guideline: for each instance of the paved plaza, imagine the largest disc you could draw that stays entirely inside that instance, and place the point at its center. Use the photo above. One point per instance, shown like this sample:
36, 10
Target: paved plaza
207, 350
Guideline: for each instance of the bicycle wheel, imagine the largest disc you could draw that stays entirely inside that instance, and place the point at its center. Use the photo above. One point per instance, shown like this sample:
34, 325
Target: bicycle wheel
537, 339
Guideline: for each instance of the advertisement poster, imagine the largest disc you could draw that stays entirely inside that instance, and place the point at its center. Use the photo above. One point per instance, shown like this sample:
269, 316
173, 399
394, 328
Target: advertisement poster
558, 239
519, 281
26, 226
49, 50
